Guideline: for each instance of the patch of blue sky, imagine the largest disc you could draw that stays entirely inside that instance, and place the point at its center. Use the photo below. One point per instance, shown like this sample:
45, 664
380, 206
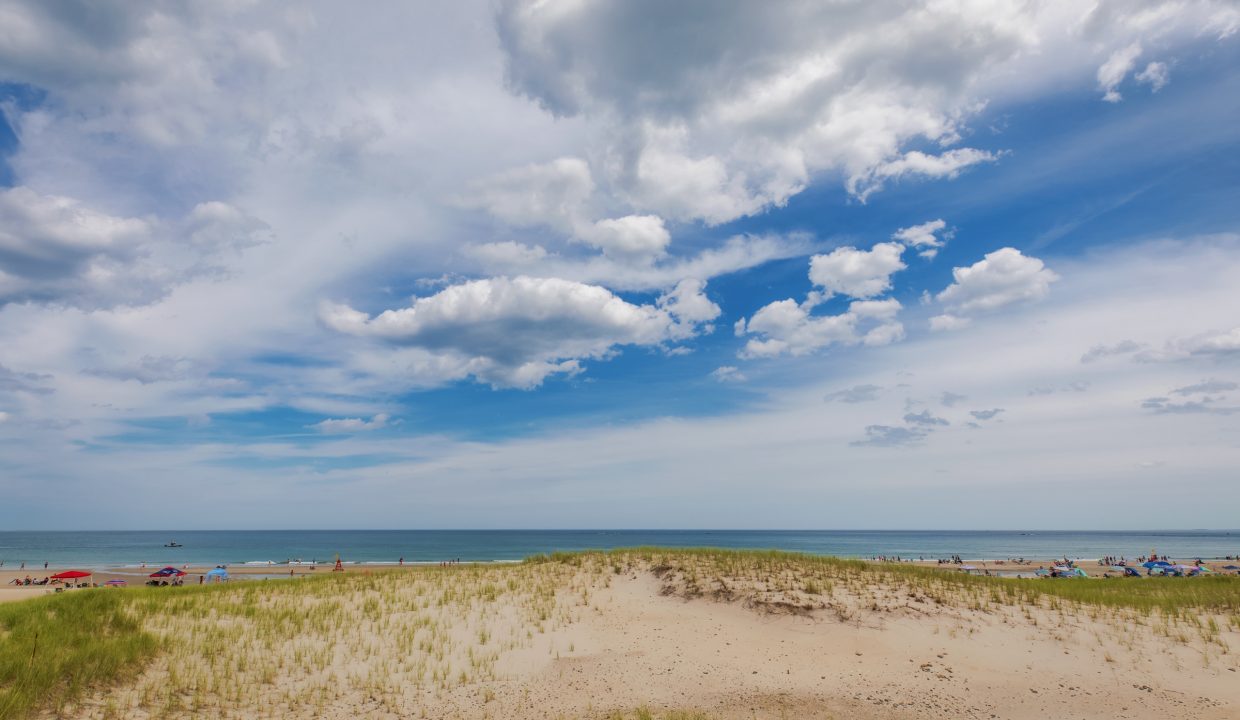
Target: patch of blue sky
14, 97
637, 384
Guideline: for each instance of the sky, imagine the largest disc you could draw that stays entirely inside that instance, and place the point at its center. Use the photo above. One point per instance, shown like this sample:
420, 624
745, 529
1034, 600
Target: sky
619, 263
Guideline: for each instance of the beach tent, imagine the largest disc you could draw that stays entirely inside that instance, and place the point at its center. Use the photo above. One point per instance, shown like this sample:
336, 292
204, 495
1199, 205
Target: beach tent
218, 573
167, 572
1131, 572
71, 575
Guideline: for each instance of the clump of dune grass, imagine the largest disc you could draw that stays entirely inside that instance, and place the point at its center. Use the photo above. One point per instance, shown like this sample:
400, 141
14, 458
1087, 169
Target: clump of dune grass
53, 648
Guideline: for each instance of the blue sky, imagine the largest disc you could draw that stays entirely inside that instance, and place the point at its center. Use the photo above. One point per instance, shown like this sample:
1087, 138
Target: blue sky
485, 266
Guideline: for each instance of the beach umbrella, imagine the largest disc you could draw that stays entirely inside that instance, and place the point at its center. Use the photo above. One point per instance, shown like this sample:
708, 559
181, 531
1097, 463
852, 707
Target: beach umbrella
116, 583
1155, 563
220, 573
167, 572
71, 575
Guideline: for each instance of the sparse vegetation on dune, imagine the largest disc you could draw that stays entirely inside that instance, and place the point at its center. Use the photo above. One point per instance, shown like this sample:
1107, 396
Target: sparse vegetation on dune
400, 641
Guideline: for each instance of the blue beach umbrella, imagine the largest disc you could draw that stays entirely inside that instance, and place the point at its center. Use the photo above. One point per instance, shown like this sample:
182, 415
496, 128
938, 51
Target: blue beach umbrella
1155, 563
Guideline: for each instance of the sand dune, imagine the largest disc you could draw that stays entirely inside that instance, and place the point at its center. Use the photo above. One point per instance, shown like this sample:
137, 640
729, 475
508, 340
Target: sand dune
604, 638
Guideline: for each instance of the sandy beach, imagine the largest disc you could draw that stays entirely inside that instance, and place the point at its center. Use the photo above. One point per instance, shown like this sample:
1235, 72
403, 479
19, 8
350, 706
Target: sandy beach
608, 637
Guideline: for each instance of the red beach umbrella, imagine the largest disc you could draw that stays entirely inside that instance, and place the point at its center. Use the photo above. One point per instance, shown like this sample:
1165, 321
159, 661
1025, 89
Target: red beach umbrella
71, 575
168, 571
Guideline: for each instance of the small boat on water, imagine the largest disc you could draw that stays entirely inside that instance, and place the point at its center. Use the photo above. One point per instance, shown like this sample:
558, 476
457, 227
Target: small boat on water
174, 543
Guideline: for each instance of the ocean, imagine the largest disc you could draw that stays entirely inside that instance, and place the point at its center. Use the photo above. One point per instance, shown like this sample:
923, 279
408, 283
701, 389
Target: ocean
131, 548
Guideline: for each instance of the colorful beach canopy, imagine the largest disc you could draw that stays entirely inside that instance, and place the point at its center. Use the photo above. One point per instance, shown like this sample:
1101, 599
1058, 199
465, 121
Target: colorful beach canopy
218, 572
167, 572
71, 575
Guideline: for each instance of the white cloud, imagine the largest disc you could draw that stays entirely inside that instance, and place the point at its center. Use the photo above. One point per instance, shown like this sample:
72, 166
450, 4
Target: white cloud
928, 235
785, 327
1212, 343
1112, 72
737, 253
947, 322
1123, 347
553, 194
1155, 75
352, 425
636, 238
728, 374
53, 248
857, 273
1001, 278
768, 96
945, 165
516, 332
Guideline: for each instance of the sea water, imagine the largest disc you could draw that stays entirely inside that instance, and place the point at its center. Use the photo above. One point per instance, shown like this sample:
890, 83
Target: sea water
261, 547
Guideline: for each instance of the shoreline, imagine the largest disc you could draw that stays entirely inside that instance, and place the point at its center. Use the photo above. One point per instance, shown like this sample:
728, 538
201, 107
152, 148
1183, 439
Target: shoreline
136, 575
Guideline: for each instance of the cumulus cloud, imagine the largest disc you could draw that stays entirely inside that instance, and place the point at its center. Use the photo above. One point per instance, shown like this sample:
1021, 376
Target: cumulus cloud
54, 248
1112, 72
948, 322
739, 252
516, 332
1001, 278
916, 163
728, 374
928, 235
854, 394
553, 193
351, 425
637, 238
1155, 75
769, 95
857, 273
786, 327
1212, 343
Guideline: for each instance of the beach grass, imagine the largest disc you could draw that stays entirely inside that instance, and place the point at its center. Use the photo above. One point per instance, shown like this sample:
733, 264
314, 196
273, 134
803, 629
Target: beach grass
404, 639
53, 648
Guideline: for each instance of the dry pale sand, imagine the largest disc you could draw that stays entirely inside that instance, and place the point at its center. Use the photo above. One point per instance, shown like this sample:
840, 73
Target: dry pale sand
618, 642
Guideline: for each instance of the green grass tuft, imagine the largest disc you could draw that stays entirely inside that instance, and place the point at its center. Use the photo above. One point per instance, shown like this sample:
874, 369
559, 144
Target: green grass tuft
53, 648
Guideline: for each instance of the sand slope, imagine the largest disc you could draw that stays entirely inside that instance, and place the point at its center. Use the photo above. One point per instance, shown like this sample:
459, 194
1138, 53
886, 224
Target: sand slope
610, 642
